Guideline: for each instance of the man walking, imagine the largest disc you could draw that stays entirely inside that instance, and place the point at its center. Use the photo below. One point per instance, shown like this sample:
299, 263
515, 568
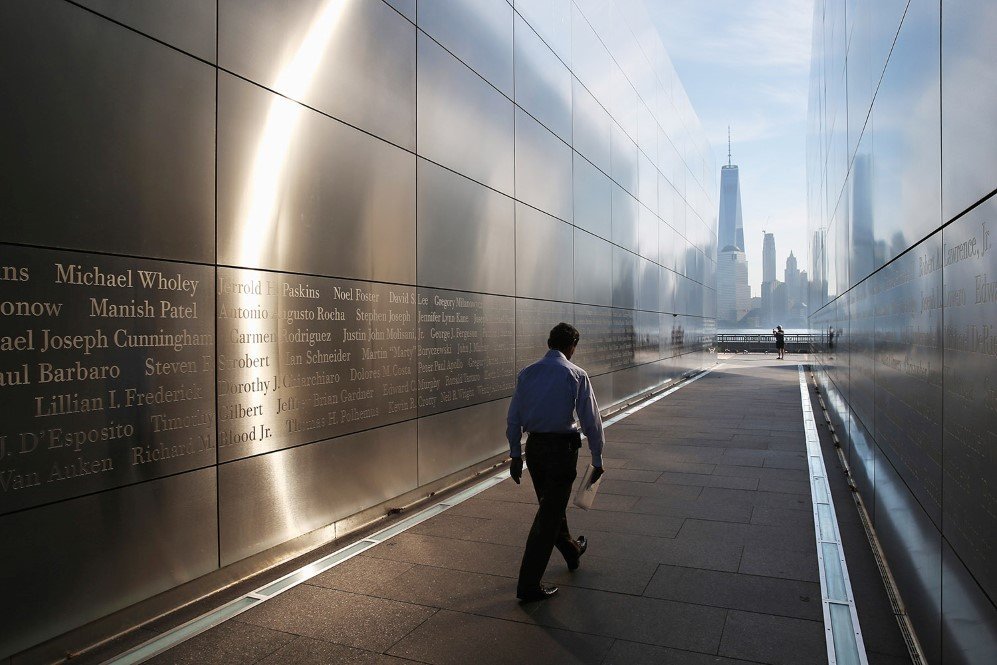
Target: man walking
548, 394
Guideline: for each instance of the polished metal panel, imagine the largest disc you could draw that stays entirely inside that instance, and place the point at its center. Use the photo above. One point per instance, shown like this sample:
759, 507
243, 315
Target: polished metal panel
624, 159
112, 548
648, 242
668, 246
862, 461
681, 253
908, 394
590, 127
970, 278
624, 278
624, 338
543, 82
648, 285
602, 387
593, 198
534, 320
677, 342
647, 182
189, 25
666, 290
552, 21
624, 219
543, 168
969, 619
598, 350
467, 349
594, 269
590, 61
677, 218
623, 102
647, 340
861, 76
464, 123
647, 132
268, 499
466, 235
862, 345
92, 141
304, 358
406, 7
108, 374
451, 441
292, 183
913, 547
906, 180
864, 253
627, 383
544, 255
479, 32
969, 102
325, 54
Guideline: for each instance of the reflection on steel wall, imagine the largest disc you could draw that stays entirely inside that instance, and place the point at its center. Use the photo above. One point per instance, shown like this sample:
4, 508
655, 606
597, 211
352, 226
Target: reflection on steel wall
901, 176
265, 265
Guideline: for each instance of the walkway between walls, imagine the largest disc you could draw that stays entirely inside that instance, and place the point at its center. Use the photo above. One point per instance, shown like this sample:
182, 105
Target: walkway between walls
701, 550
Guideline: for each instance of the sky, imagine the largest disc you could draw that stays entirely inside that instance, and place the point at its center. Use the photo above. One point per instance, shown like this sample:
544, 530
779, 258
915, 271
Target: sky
747, 64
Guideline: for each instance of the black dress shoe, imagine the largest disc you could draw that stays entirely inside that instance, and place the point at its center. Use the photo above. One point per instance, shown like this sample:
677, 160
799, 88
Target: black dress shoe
583, 545
543, 592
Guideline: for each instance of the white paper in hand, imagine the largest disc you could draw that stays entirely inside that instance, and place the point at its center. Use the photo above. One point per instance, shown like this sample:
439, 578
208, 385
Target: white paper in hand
587, 489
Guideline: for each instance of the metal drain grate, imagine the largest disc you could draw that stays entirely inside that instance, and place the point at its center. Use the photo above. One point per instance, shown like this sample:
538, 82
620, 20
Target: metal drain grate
892, 592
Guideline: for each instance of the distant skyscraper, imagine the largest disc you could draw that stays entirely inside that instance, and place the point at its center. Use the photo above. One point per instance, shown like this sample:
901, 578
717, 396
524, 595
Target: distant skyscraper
733, 292
768, 258
769, 282
731, 228
792, 281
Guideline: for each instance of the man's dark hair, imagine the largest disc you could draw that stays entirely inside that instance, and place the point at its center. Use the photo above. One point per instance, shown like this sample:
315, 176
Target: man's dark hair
562, 337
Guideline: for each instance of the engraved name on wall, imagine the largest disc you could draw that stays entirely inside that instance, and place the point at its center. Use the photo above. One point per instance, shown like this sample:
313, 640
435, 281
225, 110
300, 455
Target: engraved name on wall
970, 392
908, 420
467, 349
301, 359
106, 372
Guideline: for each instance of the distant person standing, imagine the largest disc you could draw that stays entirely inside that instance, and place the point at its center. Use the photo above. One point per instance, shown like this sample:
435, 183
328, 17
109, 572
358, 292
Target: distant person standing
548, 394
780, 342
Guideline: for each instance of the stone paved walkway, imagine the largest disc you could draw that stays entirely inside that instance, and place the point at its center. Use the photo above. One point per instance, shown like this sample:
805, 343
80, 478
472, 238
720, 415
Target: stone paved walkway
701, 551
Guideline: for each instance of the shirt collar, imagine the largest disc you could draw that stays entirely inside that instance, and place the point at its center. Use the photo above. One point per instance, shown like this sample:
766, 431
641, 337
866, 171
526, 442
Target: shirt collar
554, 353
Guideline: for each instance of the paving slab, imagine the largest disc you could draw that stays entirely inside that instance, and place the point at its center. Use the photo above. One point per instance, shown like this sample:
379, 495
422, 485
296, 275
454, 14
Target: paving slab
635, 653
307, 651
635, 618
765, 638
355, 620
737, 591
455, 638
232, 643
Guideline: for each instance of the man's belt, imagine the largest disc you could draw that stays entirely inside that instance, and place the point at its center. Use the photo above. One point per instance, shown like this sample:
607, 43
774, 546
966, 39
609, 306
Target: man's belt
554, 440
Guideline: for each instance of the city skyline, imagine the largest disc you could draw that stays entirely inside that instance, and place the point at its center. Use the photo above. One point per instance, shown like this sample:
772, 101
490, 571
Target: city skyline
747, 66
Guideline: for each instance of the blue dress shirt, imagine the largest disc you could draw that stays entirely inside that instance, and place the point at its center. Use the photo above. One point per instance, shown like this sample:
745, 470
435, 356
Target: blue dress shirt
548, 394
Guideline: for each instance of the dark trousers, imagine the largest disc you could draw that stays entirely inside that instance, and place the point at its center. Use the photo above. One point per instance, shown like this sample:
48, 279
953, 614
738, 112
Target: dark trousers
552, 461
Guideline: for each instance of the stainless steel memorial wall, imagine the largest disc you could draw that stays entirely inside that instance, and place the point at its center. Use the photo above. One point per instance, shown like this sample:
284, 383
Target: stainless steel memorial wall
902, 172
266, 267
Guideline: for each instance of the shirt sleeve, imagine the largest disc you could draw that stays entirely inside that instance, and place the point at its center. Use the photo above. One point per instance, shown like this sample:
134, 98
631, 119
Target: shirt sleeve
514, 426
589, 418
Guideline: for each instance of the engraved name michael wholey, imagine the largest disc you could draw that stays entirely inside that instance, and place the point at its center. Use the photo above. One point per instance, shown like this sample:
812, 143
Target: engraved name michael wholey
106, 372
